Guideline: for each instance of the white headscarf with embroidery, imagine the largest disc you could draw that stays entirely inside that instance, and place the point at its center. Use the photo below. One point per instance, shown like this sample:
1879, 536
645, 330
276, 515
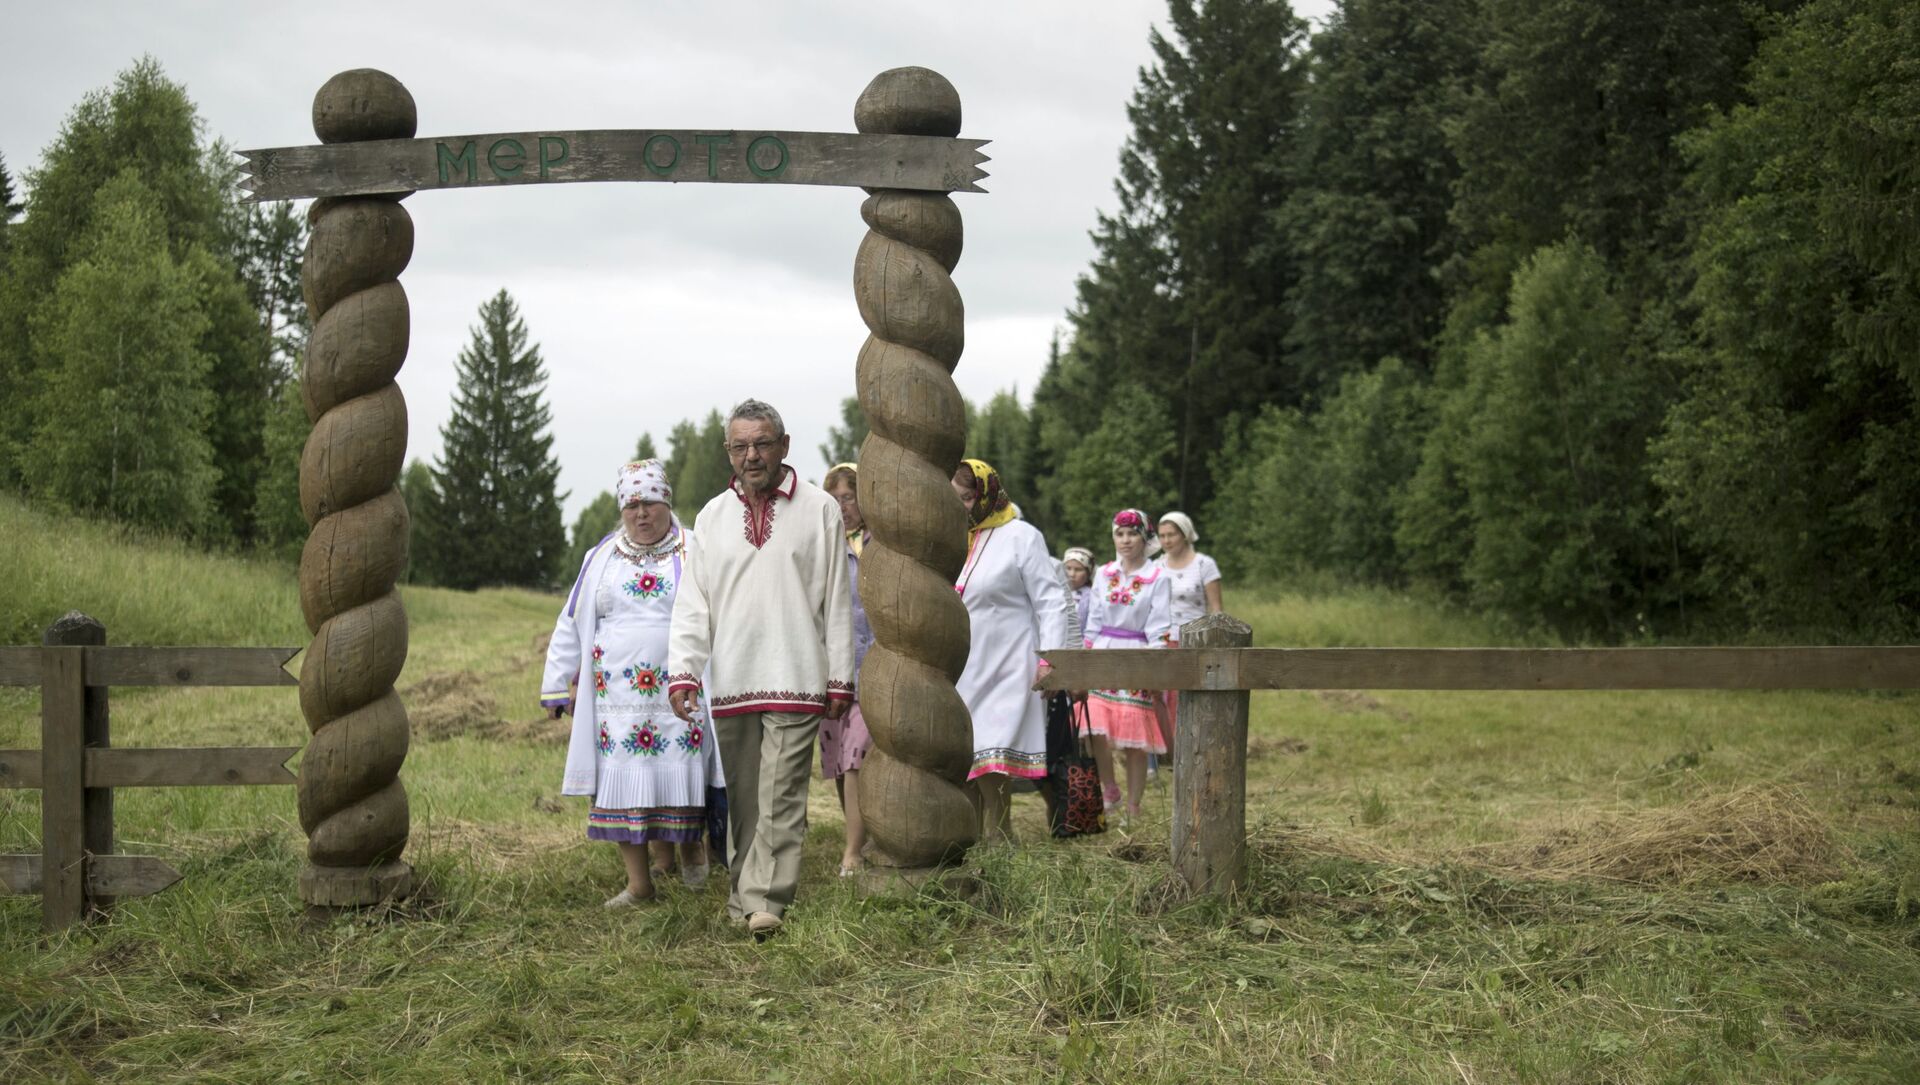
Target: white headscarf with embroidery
643, 481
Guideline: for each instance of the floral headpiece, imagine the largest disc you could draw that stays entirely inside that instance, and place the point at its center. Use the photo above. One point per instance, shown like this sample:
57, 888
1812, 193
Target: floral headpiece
643, 481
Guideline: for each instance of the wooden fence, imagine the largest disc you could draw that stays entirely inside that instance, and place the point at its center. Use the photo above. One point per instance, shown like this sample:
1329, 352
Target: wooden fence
1215, 669
76, 767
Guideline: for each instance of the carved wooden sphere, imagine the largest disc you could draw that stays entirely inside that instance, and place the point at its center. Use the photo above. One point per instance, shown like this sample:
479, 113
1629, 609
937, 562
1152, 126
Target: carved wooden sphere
364, 103
909, 101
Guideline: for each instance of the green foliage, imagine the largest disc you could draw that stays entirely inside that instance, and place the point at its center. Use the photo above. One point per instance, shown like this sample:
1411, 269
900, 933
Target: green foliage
1366, 220
122, 403
1554, 468
279, 525
999, 434
1176, 302
1123, 463
697, 464
844, 440
644, 450
1319, 491
422, 497
492, 516
144, 125
1794, 457
600, 516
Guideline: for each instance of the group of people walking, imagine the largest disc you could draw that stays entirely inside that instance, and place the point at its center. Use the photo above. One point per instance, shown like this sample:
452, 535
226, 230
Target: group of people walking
694, 659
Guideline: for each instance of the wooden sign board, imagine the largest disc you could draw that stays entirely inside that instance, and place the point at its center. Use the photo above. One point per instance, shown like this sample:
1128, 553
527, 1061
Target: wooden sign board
374, 167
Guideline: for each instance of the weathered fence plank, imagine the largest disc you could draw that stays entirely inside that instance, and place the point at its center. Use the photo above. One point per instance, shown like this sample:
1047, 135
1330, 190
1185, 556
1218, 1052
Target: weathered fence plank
19, 666
194, 766
188, 766
106, 875
1486, 668
63, 826
190, 667
1210, 770
130, 666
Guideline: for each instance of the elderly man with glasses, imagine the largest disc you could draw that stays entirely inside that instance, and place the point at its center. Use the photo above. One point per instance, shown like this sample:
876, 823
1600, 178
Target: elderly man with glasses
764, 612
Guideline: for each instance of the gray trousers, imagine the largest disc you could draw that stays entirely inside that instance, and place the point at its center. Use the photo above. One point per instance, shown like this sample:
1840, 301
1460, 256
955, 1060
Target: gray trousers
768, 760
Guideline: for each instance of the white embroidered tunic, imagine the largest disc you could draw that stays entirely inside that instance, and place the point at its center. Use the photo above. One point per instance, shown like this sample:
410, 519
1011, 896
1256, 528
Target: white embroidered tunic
1017, 607
765, 610
608, 658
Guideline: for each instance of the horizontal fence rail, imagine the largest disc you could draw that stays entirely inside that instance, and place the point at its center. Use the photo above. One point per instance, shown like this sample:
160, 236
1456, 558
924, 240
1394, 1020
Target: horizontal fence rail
127, 666
1483, 668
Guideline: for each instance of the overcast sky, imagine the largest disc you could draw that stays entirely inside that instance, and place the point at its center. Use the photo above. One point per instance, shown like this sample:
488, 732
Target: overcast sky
653, 303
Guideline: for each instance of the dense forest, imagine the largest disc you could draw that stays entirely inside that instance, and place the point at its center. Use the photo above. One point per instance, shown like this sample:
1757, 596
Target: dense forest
1601, 317
1605, 317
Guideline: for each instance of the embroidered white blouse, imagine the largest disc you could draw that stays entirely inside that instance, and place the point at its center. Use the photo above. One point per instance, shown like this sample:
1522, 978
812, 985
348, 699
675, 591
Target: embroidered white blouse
764, 608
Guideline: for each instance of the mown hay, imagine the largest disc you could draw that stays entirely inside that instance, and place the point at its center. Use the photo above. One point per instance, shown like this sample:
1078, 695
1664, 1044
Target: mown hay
1760, 833
441, 706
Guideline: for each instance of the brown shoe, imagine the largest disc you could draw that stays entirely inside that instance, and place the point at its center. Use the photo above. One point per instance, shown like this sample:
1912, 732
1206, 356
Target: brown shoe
763, 925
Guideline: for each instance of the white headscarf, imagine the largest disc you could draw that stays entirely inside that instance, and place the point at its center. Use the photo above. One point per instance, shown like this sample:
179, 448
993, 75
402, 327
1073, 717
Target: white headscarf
1185, 523
644, 481
1080, 554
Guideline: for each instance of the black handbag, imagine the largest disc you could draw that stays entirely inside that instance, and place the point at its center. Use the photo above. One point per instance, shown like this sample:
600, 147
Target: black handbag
1074, 804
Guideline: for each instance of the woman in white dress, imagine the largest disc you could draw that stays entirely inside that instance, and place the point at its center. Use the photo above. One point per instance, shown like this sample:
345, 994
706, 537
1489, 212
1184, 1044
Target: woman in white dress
1195, 581
647, 770
1017, 607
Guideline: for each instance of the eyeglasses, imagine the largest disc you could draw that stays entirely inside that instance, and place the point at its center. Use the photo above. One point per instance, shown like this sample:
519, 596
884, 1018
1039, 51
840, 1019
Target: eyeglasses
741, 448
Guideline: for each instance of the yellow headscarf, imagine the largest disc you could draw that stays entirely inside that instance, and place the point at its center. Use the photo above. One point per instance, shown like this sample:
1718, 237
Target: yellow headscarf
856, 538
991, 505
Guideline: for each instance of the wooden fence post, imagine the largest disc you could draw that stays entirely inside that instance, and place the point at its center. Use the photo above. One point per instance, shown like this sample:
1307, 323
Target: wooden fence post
63, 823
75, 629
1210, 767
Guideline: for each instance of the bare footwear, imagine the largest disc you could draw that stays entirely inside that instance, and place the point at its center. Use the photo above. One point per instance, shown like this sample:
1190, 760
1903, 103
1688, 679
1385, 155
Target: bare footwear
693, 877
763, 925
626, 898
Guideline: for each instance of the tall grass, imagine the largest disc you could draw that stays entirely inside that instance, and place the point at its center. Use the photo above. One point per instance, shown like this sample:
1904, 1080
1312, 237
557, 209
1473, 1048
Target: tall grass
1445, 887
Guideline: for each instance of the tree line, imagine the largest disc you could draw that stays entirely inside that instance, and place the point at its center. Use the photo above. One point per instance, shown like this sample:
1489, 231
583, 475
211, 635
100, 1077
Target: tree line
1601, 316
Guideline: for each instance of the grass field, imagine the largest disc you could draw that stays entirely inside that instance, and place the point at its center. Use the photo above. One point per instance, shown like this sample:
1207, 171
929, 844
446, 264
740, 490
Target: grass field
1447, 887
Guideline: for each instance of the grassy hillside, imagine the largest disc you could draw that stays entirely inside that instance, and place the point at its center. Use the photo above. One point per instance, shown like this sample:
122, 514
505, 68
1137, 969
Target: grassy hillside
1448, 887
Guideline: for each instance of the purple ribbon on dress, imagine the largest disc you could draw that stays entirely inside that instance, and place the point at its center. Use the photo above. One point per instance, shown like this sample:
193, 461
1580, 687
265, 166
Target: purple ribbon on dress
1122, 634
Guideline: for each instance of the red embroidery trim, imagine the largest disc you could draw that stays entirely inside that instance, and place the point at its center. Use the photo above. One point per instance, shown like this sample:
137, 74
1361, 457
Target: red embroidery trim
758, 526
783, 696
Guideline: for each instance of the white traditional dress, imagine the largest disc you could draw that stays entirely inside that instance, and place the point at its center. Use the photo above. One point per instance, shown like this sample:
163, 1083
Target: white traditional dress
1188, 598
1128, 610
1018, 607
647, 770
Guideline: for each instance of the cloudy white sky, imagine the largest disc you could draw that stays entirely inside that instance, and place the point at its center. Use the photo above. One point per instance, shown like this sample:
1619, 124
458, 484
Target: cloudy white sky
653, 303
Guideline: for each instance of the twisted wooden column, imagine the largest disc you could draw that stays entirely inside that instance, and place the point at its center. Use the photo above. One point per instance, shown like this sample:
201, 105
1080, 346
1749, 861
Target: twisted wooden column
352, 804
910, 783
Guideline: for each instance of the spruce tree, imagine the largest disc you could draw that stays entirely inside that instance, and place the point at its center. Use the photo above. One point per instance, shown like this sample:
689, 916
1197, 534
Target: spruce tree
493, 517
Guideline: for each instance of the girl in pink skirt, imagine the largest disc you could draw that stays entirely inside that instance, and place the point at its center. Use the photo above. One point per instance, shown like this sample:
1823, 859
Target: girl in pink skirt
1131, 608
844, 742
